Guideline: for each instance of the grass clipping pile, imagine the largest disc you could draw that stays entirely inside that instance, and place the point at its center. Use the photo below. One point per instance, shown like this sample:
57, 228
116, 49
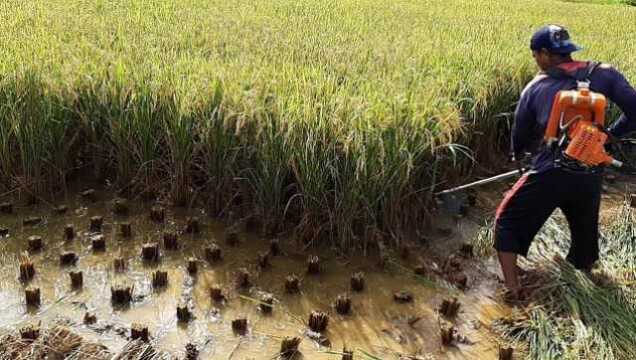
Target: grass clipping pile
573, 315
59, 342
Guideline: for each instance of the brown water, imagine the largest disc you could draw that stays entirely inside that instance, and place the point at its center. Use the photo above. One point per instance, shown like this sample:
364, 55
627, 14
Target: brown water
377, 325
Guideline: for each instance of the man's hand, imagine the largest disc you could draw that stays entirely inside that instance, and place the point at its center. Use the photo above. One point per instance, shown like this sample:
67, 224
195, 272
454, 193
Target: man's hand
623, 150
521, 161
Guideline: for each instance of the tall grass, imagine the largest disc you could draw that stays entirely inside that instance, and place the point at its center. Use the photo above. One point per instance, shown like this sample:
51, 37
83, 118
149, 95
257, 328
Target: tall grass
335, 116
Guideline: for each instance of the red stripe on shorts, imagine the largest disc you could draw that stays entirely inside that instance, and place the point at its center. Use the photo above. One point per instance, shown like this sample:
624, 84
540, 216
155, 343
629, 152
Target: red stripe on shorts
509, 195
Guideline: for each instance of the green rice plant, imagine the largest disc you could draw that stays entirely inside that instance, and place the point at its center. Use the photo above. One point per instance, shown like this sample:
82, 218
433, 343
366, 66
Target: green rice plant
339, 118
605, 2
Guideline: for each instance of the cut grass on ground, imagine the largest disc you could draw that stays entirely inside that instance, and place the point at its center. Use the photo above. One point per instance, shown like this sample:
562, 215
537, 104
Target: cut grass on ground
573, 316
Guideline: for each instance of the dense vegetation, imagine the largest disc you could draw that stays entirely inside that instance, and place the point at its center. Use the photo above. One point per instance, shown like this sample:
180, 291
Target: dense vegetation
606, 2
337, 116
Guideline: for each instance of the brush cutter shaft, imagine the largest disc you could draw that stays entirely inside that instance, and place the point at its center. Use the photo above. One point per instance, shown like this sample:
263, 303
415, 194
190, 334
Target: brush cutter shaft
496, 178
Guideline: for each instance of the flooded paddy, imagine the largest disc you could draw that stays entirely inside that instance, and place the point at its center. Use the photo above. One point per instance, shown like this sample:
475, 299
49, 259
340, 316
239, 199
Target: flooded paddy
207, 280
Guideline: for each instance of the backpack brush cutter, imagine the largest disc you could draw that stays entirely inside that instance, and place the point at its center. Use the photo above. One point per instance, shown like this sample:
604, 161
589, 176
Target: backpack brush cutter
456, 200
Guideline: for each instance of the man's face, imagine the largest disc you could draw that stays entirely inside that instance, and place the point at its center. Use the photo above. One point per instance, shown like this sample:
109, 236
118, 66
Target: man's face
542, 58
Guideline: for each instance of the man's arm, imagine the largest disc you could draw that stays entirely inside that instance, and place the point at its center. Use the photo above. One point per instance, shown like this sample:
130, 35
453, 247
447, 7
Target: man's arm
623, 95
524, 123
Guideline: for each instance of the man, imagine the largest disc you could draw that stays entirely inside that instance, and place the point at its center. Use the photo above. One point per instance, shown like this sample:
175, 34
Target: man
550, 183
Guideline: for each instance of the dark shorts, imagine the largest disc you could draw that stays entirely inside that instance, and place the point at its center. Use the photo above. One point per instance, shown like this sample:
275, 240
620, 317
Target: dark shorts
532, 200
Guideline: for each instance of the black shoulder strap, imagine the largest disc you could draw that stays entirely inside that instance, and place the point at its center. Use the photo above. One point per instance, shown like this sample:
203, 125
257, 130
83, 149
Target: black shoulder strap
586, 74
580, 75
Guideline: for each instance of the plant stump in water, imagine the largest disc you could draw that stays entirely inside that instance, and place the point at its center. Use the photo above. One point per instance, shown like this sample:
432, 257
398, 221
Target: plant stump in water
274, 247
68, 258
405, 251
89, 195
125, 230
383, 255
4, 232
357, 282
170, 240
121, 294
343, 304
267, 304
318, 321
216, 293
289, 347
452, 264
120, 207
150, 252
420, 270
231, 238
243, 279
403, 297
191, 352
98, 243
239, 326
459, 279
96, 224
159, 279
183, 312
632, 200
213, 253
69, 232
263, 260
193, 266
30, 333
60, 210
119, 264
27, 269
313, 265
448, 334
466, 250
32, 221
90, 318
347, 354
32, 296
192, 225
506, 353
139, 331
449, 308
158, 214
292, 284
35, 243
6, 208
77, 279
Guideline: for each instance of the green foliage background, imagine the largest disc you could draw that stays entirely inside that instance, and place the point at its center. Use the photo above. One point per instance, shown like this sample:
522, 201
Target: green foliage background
335, 116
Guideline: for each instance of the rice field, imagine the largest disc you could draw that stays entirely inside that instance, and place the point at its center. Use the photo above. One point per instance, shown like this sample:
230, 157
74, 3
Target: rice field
338, 118
112, 279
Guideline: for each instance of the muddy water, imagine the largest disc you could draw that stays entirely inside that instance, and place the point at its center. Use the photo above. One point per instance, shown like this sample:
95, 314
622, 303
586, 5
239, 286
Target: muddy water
377, 325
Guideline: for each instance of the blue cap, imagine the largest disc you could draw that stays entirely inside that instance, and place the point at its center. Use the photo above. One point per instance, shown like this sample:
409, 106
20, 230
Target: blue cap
554, 39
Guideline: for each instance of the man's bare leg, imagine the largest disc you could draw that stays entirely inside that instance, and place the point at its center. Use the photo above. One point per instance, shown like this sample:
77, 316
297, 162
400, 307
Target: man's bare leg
508, 263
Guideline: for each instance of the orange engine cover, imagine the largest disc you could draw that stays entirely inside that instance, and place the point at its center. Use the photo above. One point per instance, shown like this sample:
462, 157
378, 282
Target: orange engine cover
569, 105
580, 115
587, 145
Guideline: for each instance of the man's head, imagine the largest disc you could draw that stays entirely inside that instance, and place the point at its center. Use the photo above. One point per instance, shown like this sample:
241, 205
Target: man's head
551, 46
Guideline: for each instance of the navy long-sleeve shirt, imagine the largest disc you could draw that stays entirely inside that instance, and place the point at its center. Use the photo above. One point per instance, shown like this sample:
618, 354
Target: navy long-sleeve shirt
535, 105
